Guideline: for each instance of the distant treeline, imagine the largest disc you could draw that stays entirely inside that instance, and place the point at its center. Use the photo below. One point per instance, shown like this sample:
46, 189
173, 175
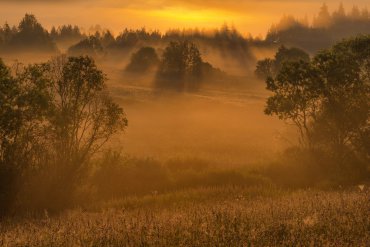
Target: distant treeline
326, 29
30, 36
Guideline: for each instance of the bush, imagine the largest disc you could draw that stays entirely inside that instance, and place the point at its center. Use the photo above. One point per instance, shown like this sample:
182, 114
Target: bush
118, 176
304, 168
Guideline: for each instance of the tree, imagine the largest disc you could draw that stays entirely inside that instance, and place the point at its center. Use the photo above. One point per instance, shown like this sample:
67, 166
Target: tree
328, 98
323, 19
32, 36
8, 91
296, 97
23, 110
90, 46
356, 13
107, 39
7, 34
180, 66
66, 35
340, 14
143, 60
271, 67
345, 105
265, 68
53, 118
83, 116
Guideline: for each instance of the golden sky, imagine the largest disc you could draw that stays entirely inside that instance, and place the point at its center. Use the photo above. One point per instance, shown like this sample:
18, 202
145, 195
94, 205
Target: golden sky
248, 16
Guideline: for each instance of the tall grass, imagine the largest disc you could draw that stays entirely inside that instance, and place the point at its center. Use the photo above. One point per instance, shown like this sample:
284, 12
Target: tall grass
228, 216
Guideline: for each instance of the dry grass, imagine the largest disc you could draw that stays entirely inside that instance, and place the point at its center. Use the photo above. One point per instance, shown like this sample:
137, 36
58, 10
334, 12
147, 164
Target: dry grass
227, 216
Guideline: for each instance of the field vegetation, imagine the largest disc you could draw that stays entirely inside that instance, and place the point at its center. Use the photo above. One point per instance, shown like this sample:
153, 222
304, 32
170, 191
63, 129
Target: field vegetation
213, 216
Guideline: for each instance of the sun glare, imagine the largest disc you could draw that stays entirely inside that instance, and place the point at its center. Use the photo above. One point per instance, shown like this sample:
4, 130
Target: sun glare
184, 15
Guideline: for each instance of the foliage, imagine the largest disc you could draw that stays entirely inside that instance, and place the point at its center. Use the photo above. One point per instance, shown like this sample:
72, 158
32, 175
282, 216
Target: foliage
180, 66
143, 60
84, 117
66, 33
327, 29
271, 67
53, 118
327, 98
90, 46
23, 110
29, 36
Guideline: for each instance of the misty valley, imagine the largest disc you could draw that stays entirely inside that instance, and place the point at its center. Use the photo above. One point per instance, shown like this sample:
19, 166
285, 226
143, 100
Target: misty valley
186, 137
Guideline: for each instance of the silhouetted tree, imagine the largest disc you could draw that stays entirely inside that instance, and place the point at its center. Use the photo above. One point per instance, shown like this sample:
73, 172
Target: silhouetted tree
143, 60
265, 68
24, 106
180, 67
270, 67
323, 33
90, 46
328, 98
31, 36
83, 117
340, 14
66, 35
53, 118
107, 39
6, 35
323, 19
345, 103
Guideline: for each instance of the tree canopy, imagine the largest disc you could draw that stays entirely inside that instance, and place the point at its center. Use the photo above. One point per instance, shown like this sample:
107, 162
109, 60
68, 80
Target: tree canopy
270, 67
326, 29
29, 36
180, 66
327, 98
53, 118
143, 60
90, 46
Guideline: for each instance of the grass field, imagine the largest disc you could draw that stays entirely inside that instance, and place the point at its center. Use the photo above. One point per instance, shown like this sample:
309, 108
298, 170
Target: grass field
211, 178
224, 216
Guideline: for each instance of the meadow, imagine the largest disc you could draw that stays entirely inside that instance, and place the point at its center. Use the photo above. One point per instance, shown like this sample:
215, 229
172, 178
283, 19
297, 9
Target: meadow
199, 184
213, 216
222, 163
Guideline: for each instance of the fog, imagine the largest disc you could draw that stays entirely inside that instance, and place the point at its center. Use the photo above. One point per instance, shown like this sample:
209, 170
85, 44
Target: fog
204, 126
212, 125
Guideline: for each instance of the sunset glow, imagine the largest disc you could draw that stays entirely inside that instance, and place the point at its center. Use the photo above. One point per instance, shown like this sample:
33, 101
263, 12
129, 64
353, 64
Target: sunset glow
248, 16
193, 16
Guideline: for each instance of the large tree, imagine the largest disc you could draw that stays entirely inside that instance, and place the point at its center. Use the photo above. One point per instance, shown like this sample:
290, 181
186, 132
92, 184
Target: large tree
24, 106
83, 116
328, 98
53, 118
